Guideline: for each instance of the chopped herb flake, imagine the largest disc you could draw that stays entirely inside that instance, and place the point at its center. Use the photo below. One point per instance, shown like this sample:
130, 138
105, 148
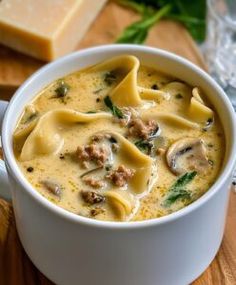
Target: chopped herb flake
98, 91
209, 121
108, 167
62, 90
110, 77
178, 96
112, 140
211, 162
154, 87
30, 118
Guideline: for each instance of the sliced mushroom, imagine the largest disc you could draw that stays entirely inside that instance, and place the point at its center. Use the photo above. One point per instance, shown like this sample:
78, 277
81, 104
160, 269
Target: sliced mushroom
209, 124
91, 171
52, 187
186, 155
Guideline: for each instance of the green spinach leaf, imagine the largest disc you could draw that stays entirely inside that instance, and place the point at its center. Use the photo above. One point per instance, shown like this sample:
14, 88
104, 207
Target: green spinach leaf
174, 196
144, 145
178, 189
115, 110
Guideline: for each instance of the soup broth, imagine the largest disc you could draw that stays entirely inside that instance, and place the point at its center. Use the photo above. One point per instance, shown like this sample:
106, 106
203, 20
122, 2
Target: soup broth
120, 142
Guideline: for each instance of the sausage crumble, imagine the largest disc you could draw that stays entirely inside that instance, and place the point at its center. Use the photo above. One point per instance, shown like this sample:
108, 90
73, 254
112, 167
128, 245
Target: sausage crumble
92, 197
95, 183
121, 175
141, 129
92, 152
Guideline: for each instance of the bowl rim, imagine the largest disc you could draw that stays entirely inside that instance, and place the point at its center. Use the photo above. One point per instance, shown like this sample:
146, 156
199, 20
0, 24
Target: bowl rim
69, 216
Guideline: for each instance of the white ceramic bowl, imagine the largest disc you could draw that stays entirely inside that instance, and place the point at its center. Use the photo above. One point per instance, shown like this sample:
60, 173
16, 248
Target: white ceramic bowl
70, 249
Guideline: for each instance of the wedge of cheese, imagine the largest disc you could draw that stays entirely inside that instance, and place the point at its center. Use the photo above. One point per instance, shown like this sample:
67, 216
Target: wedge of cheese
46, 29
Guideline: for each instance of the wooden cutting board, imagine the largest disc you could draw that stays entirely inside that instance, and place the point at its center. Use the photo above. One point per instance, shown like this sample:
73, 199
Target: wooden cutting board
15, 266
16, 67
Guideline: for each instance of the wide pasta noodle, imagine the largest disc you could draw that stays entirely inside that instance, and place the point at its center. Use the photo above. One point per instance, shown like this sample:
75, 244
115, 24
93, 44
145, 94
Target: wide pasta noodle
198, 111
176, 87
196, 95
21, 135
128, 65
46, 137
122, 202
155, 95
172, 119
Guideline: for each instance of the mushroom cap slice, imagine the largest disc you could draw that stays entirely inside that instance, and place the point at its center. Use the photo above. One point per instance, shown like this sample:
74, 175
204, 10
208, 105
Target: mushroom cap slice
186, 155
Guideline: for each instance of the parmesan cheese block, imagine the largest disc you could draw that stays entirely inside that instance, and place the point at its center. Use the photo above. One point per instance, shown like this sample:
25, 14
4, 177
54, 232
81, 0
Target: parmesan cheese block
46, 29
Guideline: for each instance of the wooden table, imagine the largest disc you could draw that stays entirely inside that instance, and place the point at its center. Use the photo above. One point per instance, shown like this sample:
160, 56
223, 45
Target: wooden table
15, 266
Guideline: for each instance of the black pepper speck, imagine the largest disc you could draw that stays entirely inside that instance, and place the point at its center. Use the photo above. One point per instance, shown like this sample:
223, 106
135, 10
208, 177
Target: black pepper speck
30, 169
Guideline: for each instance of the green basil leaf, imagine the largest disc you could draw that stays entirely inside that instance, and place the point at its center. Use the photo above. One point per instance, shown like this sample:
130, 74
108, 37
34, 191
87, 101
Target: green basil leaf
137, 32
190, 13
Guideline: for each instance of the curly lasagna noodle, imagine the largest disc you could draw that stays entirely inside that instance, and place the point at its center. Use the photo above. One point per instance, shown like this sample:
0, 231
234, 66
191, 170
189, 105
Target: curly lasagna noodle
120, 142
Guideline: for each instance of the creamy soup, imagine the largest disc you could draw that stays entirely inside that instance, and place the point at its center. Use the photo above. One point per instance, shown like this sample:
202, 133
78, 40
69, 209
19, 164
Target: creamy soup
120, 141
